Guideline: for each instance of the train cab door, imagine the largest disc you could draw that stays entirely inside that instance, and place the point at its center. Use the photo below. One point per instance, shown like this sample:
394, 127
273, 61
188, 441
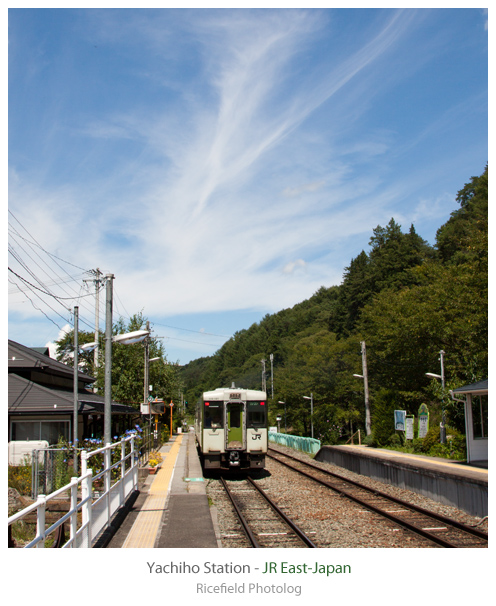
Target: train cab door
234, 425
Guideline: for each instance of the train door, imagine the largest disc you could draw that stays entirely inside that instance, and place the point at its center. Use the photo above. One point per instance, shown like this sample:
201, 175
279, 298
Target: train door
235, 422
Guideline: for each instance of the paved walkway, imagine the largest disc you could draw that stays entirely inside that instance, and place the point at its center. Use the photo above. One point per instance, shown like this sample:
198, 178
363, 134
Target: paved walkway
147, 524
172, 509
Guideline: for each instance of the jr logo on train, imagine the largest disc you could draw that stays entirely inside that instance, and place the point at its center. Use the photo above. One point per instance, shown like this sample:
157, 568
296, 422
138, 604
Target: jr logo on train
231, 428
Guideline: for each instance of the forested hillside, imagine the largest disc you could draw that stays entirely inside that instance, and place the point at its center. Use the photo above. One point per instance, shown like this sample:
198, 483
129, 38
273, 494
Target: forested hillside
407, 300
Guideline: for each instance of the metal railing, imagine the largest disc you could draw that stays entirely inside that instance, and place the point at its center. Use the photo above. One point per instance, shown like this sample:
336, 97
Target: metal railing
351, 439
309, 445
89, 512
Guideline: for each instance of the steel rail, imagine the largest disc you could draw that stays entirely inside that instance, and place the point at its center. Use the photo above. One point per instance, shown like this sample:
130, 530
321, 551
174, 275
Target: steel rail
251, 537
439, 517
242, 519
396, 519
289, 522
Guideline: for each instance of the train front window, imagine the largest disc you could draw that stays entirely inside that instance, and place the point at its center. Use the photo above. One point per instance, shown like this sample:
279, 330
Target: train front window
257, 415
213, 416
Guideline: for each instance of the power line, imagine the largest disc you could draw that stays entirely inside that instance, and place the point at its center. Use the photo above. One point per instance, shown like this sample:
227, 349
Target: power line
200, 332
36, 243
44, 285
49, 293
40, 310
43, 264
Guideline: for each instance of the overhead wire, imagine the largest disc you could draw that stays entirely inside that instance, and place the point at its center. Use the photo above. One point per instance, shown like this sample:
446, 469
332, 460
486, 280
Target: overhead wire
43, 249
43, 277
40, 286
16, 255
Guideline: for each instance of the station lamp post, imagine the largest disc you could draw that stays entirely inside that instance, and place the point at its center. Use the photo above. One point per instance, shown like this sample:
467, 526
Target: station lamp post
311, 410
442, 435
285, 421
124, 339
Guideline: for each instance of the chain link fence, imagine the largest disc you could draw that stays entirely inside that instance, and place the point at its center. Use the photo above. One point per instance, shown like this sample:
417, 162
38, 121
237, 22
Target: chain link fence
53, 467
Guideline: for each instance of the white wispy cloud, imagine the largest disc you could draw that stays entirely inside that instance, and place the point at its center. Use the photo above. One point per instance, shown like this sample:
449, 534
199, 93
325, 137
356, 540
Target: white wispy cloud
215, 198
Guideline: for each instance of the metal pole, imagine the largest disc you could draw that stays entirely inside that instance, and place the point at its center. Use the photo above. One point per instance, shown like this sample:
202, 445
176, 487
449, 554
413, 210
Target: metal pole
311, 411
147, 380
272, 374
443, 414
76, 362
96, 281
108, 361
368, 425
97, 318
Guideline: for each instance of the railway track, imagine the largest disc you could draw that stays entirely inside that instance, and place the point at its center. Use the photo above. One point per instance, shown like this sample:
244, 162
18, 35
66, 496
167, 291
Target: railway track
263, 522
442, 531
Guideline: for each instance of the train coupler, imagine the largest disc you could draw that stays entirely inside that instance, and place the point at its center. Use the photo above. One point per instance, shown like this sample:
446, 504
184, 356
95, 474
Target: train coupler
234, 460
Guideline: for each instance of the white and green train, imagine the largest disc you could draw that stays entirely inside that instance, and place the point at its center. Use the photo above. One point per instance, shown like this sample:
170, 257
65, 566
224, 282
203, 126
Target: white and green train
231, 428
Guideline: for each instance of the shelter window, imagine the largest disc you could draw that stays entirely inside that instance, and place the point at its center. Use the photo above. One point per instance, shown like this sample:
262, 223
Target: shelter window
51, 431
480, 416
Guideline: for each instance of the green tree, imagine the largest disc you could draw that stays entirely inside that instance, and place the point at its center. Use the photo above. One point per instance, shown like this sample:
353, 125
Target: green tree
322, 365
128, 364
456, 239
393, 253
65, 350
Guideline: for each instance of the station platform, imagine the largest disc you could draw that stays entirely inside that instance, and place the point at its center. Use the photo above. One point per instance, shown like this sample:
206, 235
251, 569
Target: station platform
448, 482
172, 509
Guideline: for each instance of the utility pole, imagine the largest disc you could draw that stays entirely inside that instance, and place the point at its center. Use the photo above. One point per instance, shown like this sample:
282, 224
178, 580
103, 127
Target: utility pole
76, 385
108, 360
147, 372
96, 281
368, 428
263, 375
272, 374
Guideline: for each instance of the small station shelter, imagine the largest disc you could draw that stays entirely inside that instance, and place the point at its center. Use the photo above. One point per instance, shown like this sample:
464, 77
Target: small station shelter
476, 420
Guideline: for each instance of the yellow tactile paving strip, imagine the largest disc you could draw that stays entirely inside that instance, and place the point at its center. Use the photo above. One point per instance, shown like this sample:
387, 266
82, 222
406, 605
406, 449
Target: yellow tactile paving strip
145, 529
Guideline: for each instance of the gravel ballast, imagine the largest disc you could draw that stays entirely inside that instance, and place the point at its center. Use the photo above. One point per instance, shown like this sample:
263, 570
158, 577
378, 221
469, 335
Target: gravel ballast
329, 520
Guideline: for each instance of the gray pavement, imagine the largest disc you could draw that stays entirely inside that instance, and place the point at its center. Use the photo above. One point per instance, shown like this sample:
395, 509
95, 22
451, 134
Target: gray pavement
188, 521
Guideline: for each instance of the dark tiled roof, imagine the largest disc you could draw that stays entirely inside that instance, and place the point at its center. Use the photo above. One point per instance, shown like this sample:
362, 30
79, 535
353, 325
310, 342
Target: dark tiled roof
22, 357
28, 397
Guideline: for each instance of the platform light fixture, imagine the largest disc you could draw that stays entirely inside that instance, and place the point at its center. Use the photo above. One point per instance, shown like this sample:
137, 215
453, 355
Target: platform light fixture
310, 397
442, 436
285, 424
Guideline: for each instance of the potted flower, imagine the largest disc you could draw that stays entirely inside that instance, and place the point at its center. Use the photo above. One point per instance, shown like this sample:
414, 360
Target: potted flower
154, 461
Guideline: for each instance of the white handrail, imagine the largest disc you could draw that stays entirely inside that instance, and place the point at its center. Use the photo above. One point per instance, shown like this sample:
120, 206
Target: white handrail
94, 517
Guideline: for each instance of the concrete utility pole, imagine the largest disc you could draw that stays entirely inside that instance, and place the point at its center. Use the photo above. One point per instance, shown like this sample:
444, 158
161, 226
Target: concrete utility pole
108, 360
364, 376
263, 376
76, 385
368, 427
272, 374
96, 281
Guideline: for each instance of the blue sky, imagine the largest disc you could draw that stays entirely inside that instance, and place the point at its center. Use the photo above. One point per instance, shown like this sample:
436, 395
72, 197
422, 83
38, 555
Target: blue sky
225, 164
